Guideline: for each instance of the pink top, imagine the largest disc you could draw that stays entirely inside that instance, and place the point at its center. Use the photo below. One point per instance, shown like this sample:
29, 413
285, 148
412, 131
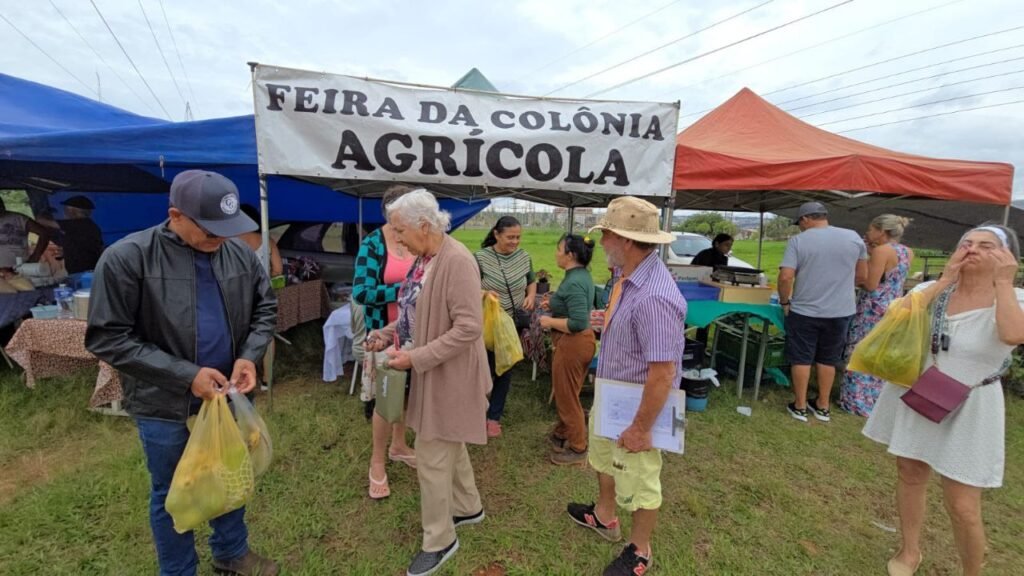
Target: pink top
395, 272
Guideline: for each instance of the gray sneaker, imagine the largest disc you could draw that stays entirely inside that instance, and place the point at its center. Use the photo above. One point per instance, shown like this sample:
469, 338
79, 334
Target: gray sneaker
429, 562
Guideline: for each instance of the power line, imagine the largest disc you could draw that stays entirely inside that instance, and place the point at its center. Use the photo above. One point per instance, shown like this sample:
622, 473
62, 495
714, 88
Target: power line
804, 49
893, 59
719, 49
161, 51
958, 111
188, 81
662, 47
901, 73
589, 44
944, 100
47, 54
102, 59
132, 62
911, 93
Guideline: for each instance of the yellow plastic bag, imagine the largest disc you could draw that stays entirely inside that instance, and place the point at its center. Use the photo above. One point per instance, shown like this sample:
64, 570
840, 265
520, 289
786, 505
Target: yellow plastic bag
254, 432
501, 336
215, 474
896, 348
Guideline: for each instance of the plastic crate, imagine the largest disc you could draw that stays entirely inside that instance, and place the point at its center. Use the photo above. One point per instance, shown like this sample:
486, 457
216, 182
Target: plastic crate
693, 354
693, 291
730, 342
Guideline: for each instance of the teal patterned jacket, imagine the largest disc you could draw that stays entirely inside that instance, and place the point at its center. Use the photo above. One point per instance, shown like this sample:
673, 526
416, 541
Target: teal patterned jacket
368, 287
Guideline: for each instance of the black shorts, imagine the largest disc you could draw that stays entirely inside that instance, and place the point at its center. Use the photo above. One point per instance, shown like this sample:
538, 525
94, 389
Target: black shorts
815, 340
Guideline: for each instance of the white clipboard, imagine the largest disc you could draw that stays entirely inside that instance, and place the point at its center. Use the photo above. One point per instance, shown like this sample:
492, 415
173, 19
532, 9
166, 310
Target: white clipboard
616, 404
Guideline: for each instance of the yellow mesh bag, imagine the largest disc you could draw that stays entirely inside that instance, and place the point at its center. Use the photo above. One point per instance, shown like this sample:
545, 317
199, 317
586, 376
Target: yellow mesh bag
215, 473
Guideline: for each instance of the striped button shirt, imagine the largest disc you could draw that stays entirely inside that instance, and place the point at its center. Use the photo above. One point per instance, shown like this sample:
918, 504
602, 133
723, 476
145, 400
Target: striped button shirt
646, 325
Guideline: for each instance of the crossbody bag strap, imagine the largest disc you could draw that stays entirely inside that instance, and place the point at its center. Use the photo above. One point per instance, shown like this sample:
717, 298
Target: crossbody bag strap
940, 322
507, 287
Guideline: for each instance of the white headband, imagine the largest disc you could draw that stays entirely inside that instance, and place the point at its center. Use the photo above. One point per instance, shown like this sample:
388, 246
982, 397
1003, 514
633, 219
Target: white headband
999, 233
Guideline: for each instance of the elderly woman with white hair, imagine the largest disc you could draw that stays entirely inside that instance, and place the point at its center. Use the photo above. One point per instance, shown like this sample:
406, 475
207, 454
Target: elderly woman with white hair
977, 321
439, 329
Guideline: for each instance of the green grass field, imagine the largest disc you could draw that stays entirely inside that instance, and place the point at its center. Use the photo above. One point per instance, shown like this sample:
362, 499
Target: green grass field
763, 495
540, 244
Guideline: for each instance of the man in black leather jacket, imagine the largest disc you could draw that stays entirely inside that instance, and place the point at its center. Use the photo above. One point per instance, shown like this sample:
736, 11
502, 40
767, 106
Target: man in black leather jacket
182, 310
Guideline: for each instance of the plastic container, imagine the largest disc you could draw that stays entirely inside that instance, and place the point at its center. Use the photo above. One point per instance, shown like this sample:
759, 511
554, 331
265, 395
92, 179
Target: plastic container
695, 388
64, 297
80, 304
80, 280
693, 354
696, 404
47, 312
696, 291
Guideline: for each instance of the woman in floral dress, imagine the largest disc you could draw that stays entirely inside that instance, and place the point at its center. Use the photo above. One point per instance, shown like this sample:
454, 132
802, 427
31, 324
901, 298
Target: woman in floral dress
888, 267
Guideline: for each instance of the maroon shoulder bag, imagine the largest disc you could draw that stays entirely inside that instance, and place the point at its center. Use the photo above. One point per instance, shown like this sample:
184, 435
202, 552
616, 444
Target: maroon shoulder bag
936, 395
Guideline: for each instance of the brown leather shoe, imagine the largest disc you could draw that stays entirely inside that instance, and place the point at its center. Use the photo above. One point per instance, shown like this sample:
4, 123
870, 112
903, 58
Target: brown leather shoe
252, 564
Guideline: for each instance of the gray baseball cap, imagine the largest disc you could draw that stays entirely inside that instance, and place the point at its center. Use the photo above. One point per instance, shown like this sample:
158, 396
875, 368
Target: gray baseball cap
211, 200
808, 208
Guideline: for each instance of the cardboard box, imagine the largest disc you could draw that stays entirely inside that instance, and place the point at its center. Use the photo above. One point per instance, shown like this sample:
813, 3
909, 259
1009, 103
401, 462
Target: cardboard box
742, 294
687, 273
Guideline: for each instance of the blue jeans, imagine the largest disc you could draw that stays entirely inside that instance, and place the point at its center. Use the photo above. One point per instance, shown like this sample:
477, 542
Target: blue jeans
499, 390
163, 442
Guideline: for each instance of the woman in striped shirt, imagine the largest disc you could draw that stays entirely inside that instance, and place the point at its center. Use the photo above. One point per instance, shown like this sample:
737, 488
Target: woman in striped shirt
506, 271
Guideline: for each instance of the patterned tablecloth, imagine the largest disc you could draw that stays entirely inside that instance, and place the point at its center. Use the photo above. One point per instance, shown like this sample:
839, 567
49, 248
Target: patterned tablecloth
46, 348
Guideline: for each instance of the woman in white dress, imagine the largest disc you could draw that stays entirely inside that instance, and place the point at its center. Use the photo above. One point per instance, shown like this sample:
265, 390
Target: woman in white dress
984, 321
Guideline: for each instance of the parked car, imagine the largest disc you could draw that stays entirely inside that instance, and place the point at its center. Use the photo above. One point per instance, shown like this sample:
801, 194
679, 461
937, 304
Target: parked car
333, 245
687, 245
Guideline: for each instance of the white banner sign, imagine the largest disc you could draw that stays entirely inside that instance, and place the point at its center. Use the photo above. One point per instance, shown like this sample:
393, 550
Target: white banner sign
329, 126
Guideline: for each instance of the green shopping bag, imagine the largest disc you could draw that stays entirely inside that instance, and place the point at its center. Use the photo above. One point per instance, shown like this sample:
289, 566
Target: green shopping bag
388, 387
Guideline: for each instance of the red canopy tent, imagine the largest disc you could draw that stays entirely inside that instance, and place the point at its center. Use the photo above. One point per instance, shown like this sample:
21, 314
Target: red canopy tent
749, 155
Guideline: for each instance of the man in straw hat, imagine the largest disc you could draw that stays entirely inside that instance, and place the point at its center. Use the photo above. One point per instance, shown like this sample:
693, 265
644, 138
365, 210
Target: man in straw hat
642, 343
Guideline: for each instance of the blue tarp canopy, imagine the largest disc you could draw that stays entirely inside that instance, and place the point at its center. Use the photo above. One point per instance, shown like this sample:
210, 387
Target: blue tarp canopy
65, 144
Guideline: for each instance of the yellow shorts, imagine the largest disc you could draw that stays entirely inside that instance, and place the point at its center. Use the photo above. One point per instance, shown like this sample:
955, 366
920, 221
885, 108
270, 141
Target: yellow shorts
637, 474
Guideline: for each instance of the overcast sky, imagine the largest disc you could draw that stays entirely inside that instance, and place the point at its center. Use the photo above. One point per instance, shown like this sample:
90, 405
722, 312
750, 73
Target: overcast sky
541, 46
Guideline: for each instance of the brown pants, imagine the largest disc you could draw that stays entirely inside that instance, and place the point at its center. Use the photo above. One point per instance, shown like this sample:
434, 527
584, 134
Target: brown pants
573, 353
447, 488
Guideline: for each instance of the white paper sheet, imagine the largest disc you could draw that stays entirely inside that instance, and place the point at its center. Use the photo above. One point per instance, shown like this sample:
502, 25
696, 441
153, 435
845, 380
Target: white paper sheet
616, 403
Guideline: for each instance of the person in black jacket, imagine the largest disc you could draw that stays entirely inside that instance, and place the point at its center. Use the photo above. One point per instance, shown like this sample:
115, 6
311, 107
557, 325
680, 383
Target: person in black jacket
717, 255
182, 311
82, 240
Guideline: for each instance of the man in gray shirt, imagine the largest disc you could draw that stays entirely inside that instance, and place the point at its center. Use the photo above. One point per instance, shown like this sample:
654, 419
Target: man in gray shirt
826, 263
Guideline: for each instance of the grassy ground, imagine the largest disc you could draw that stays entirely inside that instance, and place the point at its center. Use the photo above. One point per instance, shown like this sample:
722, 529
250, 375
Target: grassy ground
759, 495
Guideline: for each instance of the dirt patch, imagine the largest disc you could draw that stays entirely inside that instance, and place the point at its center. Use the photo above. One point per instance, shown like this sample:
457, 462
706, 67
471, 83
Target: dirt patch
40, 466
494, 569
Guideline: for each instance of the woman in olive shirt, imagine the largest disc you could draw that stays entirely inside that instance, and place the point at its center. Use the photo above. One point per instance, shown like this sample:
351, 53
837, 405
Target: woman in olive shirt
574, 346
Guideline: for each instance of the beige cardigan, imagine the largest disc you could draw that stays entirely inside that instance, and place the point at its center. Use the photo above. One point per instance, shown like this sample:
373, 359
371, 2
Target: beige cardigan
450, 375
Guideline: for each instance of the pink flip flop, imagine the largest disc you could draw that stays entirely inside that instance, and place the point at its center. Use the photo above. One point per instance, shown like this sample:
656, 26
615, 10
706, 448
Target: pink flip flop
379, 489
408, 459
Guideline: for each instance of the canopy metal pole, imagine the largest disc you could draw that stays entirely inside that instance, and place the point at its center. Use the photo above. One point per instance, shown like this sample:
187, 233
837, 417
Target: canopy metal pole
264, 225
361, 218
264, 254
1006, 215
666, 221
572, 218
760, 241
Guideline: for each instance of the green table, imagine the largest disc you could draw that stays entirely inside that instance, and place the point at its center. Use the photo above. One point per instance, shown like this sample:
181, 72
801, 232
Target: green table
701, 313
